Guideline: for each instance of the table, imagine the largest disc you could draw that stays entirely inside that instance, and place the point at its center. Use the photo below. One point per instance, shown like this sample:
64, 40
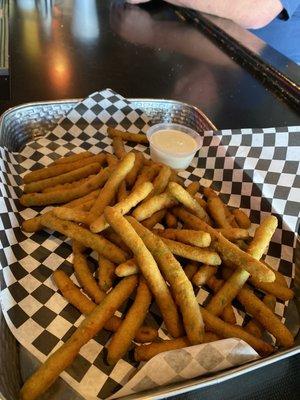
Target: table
68, 49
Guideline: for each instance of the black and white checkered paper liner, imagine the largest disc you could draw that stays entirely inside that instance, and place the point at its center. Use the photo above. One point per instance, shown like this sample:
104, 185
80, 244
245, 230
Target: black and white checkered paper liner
230, 160
188, 363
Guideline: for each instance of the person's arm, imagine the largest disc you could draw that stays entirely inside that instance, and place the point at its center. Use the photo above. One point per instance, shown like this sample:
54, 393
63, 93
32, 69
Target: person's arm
251, 14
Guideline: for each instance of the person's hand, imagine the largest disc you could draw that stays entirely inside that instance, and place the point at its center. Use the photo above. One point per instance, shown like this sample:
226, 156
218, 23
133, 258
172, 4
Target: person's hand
132, 23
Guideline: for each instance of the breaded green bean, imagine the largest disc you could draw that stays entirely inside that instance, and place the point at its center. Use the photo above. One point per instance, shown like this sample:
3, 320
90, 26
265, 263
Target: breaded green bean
122, 192
182, 196
152, 205
84, 275
262, 237
128, 136
265, 316
182, 288
113, 237
171, 220
64, 196
161, 181
84, 236
193, 188
194, 253
254, 327
233, 234
78, 202
216, 210
59, 169
133, 320
138, 164
224, 296
66, 186
225, 330
227, 313
71, 176
118, 146
188, 236
106, 273
112, 160
255, 307
48, 372
110, 188
190, 269
241, 218
34, 224
72, 214
204, 273
227, 250
148, 268
236, 281
73, 295
135, 197
147, 174
276, 288
127, 268
147, 351
73, 158
155, 218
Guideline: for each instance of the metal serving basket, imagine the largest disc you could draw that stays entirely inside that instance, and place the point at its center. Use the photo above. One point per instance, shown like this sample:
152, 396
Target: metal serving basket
27, 122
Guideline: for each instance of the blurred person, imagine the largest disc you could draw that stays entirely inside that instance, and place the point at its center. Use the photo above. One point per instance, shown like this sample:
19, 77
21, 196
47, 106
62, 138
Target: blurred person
277, 22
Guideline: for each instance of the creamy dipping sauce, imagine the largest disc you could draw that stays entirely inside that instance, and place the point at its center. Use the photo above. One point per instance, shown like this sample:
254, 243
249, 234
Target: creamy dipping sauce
173, 142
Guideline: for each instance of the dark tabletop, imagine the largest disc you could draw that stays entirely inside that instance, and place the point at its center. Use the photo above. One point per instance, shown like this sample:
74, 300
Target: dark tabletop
68, 49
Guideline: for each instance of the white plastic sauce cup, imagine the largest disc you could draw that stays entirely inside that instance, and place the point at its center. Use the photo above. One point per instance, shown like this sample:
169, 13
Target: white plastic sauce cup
174, 160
